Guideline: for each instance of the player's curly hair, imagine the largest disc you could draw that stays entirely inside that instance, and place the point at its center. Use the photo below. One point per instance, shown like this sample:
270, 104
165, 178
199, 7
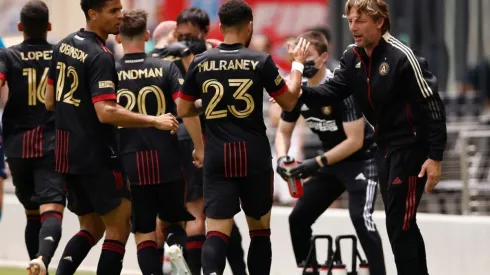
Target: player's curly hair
377, 9
34, 18
133, 23
91, 5
235, 13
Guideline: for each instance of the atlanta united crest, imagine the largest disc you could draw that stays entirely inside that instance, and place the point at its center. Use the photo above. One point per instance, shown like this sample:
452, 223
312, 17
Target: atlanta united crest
384, 68
327, 110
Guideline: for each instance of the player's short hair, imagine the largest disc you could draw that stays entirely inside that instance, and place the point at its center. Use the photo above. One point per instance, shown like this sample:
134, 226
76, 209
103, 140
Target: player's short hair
235, 13
324, 30
91, 5
317, 40
134, 23
34, 18
375, 8
196, 17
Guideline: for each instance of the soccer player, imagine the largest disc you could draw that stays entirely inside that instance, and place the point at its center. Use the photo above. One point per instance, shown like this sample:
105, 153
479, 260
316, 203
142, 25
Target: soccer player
192, 27
84, 73
237, 168
28, 131
151, 157
398, 95
347, 140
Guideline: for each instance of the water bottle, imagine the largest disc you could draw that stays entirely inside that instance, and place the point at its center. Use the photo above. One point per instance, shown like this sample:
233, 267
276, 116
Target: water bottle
363, 268
339, 269
295, 184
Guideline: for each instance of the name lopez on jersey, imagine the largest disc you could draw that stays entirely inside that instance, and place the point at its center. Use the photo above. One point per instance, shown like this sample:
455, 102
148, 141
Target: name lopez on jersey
227, 65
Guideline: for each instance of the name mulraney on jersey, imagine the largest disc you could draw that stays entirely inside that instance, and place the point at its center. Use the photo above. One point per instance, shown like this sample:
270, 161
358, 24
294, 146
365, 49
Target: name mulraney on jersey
321, 124
73, 52
227, 65
140, 73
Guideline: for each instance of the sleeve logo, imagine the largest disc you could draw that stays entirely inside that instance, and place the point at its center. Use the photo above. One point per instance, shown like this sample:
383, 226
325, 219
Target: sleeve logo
181, 81
106, 84
278, 80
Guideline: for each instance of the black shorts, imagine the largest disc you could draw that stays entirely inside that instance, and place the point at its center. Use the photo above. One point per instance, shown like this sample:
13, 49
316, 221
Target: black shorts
99, 193
167, 201
193, 176
223, 196
36, 182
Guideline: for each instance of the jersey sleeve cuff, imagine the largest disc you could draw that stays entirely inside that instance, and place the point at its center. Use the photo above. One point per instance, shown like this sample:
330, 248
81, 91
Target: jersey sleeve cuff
103, 97
3, 77
50, 81
176, 95
436, 154
185, 97
280, 91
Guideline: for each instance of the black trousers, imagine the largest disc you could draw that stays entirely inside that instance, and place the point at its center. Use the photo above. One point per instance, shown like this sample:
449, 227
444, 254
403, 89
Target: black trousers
360, 180
402, 190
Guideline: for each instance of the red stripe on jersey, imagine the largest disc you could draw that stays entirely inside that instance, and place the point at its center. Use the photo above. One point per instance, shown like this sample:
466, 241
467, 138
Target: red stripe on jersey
3, 77
280, 91
56, 150
152, 167
224, 160
24, 145
234, 150
33, 142
229, 160
186, 97
50, 81
240, 157
67, 165
158, 166
103, 97
245, 160
176, 95
148, 168
143, 168
40, 149
138, 164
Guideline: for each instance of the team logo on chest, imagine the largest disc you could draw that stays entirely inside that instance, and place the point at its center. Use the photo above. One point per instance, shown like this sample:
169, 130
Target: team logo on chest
384, 68
327, 110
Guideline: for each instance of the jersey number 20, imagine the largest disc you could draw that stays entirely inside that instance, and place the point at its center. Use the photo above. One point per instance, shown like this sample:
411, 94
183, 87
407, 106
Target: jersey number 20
132, 101
240, 94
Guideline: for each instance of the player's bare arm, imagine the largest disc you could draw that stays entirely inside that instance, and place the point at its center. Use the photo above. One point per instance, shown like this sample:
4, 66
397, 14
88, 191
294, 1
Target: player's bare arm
111, 113
288, 100
193, 126
283, 137
49, 98
187, 108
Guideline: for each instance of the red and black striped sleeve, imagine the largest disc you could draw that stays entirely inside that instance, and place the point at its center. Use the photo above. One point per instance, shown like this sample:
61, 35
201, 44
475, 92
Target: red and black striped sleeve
190, 89
103, 78
274, 84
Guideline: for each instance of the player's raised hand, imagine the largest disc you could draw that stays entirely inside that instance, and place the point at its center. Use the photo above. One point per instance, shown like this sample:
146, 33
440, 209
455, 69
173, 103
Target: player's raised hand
300, 51
198, 156
167, 122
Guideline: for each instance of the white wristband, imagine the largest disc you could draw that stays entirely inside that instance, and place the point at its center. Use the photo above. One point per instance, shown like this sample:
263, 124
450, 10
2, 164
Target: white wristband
298, 67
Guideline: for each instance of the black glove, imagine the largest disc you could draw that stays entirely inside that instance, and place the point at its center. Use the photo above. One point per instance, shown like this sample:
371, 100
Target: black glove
195, 45
280, 167
305, 169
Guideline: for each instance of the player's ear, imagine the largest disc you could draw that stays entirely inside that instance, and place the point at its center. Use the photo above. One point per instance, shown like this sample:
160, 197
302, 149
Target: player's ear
92, 14
147, 35
20, 27
118, 39
49, 26
324, 57
221, 28
206, 30
251, 26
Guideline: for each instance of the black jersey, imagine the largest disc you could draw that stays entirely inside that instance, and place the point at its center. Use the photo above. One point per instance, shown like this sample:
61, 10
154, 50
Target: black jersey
83, 73
231, 79
28, 128
149, 86
327, 123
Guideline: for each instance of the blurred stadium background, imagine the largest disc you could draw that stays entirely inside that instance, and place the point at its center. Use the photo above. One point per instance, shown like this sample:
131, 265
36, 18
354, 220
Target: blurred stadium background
454, 35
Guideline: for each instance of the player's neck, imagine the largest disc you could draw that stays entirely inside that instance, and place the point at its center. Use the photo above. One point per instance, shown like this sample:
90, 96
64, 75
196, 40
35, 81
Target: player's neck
369, 48
317, 78
233, 38
134, 47
97, 31
26, 37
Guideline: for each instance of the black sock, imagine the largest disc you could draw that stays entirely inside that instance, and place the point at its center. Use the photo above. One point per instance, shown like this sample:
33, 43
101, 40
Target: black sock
31, 235
193, 253
50, 235
235, 253
260, 252
175, 234
111, 258
213, 256
149, 258
75, 251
